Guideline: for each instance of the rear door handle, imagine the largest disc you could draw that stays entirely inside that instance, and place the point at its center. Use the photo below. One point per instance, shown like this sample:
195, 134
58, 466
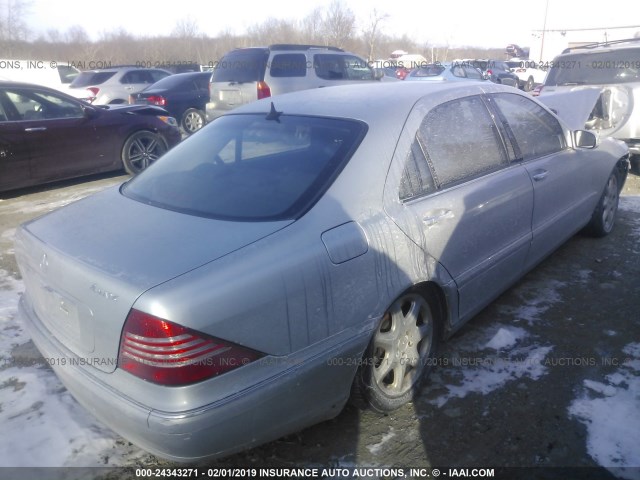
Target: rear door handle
540, 175
35, 129
434, 217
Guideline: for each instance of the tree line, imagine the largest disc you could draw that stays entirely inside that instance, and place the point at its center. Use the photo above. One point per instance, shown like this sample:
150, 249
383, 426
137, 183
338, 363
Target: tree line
335, 25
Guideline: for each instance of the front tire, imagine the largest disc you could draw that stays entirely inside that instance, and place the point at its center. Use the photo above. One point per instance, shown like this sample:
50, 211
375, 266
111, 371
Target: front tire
142, 149
604, 216
399, 356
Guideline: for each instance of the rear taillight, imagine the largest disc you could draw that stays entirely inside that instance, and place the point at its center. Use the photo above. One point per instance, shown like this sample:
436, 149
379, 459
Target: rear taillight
489, 72
263, 90
93, 93
169, 354
132, 99
536, 91
157, 100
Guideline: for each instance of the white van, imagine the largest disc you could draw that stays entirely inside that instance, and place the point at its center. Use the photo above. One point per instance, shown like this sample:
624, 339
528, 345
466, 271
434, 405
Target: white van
51, 74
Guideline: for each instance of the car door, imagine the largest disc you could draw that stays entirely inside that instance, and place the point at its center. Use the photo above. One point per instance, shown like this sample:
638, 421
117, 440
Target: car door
463, 202
14, 151
564, 192
63, 142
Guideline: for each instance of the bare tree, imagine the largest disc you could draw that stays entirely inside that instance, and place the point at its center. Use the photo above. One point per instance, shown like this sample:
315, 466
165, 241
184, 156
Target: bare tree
372, 31
311, 27
338, 24
186, 28
77, 34
13, 24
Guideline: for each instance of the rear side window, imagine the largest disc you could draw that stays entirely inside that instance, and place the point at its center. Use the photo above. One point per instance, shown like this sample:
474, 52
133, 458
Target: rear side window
461, 141
288, 65
249, 168
242, 66
537, 132
87, 79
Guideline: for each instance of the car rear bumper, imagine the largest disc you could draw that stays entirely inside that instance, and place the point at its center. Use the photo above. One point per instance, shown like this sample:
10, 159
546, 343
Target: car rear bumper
313, 390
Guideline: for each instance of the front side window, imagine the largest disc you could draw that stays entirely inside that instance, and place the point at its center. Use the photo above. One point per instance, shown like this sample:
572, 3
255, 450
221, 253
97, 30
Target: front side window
461, 141
250, 168
341, 67
41, 105
536, 131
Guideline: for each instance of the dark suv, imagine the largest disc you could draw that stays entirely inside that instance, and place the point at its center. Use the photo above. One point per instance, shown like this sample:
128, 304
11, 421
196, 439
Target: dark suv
247, 74
614, 69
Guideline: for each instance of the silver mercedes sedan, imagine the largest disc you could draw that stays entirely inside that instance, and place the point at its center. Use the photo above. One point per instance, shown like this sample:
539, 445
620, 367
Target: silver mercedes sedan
301, 250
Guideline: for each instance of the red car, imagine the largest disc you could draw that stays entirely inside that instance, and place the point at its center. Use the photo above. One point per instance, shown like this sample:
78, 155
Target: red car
46, 136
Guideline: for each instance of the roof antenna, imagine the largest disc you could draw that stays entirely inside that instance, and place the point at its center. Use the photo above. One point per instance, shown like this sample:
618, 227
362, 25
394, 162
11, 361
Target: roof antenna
273, 114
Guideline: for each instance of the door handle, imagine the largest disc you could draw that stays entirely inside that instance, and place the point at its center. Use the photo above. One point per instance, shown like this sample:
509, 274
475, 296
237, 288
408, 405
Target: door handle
432, 218
35, 129
540, 175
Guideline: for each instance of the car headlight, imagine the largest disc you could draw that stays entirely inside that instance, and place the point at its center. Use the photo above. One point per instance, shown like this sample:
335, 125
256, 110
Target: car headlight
168, 120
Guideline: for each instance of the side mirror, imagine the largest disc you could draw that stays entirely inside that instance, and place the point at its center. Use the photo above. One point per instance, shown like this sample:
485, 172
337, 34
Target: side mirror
90, 112
584, 139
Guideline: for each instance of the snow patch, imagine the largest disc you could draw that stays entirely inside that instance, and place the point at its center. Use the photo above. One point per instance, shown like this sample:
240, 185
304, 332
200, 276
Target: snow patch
531, 309
506, 337
375, 448
611, 413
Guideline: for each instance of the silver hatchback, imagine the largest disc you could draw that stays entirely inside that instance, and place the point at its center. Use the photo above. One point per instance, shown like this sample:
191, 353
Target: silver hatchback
114, 85
302, 249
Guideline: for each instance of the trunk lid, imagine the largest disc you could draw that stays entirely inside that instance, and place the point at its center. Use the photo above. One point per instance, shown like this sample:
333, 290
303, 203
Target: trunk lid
86, 264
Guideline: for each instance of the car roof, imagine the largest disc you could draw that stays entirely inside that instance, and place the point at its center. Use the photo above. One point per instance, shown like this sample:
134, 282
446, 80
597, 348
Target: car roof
365, 101
613, 45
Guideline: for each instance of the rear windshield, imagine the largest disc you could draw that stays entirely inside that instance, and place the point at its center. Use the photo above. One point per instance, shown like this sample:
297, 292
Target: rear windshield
181, 79
86, 79
429, 71
242, 66
250, 168
597, 68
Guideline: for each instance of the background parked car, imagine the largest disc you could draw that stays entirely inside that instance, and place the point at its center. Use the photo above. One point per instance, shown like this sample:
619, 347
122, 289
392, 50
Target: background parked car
300, 250
184, 96
114, 85
529, 75
453, 72
497, 71
614, 69
46, 135
248, 74
57, 75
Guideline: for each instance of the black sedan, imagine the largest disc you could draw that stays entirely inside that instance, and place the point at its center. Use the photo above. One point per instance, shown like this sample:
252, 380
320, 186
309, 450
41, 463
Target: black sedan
46, 136
184, 96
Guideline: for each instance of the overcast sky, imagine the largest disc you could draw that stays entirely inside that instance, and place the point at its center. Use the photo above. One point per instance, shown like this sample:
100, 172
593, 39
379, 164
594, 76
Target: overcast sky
484, 23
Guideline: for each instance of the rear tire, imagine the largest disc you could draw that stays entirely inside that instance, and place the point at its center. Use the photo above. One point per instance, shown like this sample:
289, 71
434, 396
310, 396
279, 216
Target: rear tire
529, 85
604, 216
192, 120
399, 356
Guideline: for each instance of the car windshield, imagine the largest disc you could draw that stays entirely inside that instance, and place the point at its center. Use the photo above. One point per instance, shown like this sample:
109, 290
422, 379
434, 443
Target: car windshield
242, 66
250, 167
85, 79
597, 68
